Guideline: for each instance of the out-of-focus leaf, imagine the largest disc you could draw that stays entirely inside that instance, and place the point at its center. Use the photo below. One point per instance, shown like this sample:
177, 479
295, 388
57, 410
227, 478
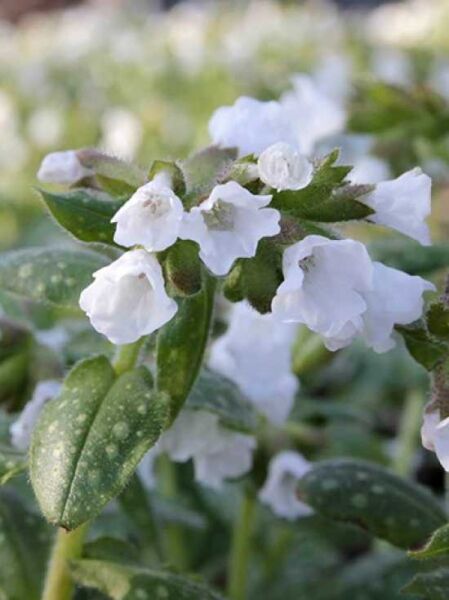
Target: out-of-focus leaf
174, 171
409, 256
54, 276
89, 440
115, 175
425, 349
85, 213
218, 395
436, 547
12, 463
122, 582
399, 511
433, 585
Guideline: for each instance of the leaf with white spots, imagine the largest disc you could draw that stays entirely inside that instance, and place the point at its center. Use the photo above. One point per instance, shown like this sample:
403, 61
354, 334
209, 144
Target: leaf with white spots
123, 582
90, 439
430, 586
53, 276
85, 213
391, 508
217, 394
12, 463
24, 545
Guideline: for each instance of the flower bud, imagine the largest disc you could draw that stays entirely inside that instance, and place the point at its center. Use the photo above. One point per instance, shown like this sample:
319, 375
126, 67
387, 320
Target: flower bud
282, 167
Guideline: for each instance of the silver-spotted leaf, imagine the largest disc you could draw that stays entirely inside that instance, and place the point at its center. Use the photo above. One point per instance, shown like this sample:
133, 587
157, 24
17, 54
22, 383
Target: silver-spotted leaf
437, 546
433, 585
54, 276
398, 511
90, 439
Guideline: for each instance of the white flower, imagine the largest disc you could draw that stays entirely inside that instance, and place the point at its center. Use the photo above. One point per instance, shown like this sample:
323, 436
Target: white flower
62, 167
122, 132
218, 453
323, 287
282, 167
22, 428
229, 224
279, 490
250, 126
403, 204
435, 434
395, 299
128, 298
312, 115
255, 353
151, 217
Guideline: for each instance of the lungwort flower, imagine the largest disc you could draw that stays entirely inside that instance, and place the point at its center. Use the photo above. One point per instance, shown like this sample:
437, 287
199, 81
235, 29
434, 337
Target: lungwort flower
255, 353
282, 167
251, 126
435, 434
403, 204
280, 489
62, 167
228, 225
151, 217
217, 453
128, 298
22, 428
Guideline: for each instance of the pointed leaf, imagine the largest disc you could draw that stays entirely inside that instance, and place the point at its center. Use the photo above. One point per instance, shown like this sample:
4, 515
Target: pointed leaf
430, 586
368, 495
437, 319
47, 275
437, 546
90, 439
425, 349
85, 213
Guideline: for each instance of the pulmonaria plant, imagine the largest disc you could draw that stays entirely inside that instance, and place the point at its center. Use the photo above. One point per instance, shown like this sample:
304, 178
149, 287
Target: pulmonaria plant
236, 236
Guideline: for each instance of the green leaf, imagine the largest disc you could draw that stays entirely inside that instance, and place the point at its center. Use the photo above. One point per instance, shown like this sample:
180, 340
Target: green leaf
24, 544
115, 175
182, 267
85, 213
89, 440
181, 344
368, 495
126, 583
12, 463
175, 172
409, 256
437, 546
220, 396
426, 350
204, 170
47, 275
430, 586
261, 276
437, 319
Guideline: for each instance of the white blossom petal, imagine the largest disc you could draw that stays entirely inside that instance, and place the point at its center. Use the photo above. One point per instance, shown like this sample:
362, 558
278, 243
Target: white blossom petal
62, 167
279, 490
151, 218
22, 427
228, 225
324, 283
435, 434
255, 353
250, 126
128, 299
282, 167
403, 204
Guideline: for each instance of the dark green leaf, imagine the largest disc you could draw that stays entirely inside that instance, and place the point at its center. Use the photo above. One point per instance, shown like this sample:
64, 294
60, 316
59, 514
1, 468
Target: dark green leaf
430, 586
218, 395
48, 275
424, 349
89, 440
437, 546
261, 276
12, 463
126, 583
183, 268
370, 496
85, 213
437, 319
409, 256
181, 344
175, 172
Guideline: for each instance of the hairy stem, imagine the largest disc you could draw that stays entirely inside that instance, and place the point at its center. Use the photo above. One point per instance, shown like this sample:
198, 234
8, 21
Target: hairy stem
68, 545
240, 549
408, 433
126, 356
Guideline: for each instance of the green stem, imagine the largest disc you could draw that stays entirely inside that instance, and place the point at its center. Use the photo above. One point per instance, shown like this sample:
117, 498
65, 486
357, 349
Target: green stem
174, 542
126, 356
68, 545
240, 549
408, 434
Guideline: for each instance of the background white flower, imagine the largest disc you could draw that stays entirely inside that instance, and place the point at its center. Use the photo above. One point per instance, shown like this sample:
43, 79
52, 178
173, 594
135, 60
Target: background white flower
396, 299
435, 434
218, 453
128, 298
403, 204
62, 167
229, 224
151, 217
22, 427
255, 353
279, 490
250, 126
312, 114
283, 167
324, 283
